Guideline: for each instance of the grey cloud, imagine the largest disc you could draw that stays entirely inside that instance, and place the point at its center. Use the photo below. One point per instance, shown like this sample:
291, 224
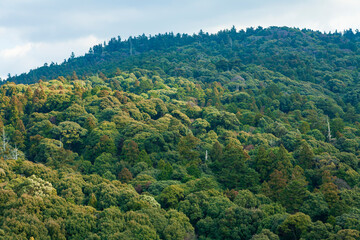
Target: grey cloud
51, 20
55, 22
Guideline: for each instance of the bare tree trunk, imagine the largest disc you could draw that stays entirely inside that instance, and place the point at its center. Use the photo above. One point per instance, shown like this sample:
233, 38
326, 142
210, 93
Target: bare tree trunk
15, 154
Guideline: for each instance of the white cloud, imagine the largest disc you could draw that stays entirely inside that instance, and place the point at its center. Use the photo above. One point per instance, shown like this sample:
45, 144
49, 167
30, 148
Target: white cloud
18, 51
33, 32
28, 56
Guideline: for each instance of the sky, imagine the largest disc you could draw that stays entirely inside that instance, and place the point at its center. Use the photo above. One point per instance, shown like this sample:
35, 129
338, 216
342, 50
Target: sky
35, 32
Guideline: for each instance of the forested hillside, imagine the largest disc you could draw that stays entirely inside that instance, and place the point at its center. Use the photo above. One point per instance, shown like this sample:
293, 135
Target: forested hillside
238, 135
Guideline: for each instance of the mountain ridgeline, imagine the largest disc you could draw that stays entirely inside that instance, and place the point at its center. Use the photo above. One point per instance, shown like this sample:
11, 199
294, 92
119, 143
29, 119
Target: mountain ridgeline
250, 134
298, 54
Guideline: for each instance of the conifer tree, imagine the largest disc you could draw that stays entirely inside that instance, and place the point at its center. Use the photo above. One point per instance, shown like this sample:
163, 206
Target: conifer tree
263, 163
305, 155
295, 191
233, 169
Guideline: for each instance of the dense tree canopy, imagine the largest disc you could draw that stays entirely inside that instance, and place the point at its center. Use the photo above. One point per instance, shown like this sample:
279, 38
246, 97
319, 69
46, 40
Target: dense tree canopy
237, 135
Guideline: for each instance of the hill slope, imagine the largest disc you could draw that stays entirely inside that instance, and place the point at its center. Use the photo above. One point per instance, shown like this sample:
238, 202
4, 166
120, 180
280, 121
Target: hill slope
238, 135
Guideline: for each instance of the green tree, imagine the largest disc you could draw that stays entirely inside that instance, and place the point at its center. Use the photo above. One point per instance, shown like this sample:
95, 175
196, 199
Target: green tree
188, 148
294, 226
227, 224
92, 201
318, 231
295, 191
144, 157
263, 164
316, 207
348, 234
265, 234
216, 152
70, 133
103, 163
305, 155
171, 196
233, 169
331, 194
131, 151
125, 175
276, 185
166, 170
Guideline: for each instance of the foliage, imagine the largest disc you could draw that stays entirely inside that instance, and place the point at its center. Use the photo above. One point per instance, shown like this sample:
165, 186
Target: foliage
250, 134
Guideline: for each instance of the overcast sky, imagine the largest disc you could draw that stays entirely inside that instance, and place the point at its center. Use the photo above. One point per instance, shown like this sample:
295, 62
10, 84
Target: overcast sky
34, 32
